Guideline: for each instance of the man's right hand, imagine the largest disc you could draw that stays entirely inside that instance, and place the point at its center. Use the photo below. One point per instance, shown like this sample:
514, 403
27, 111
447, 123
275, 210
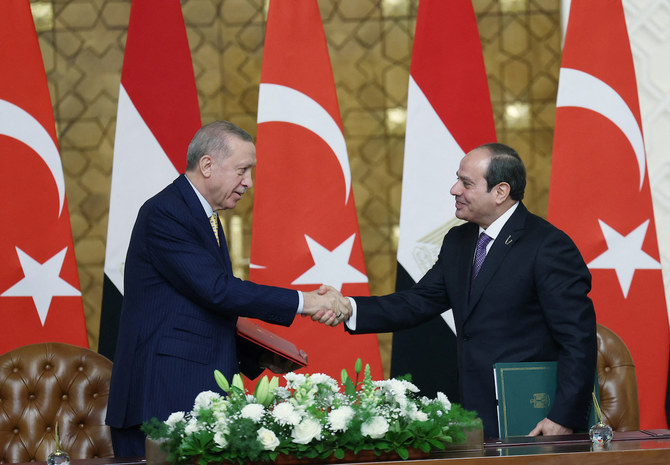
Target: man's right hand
326, 305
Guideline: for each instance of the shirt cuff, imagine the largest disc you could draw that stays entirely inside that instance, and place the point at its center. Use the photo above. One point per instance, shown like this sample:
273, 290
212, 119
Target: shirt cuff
301, 303
351, 322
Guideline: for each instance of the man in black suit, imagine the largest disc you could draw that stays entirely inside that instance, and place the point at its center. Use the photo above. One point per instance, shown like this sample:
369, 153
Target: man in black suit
528, 302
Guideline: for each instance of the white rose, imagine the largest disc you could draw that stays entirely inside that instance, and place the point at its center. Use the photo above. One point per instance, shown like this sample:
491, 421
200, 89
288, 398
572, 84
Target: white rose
416, 414
340, 417
294, 380
444, 401
204, 400
174, 418
376, 427
320, 378
267, 438
253, 412
192, 427
285, 414
409, 386
306, 430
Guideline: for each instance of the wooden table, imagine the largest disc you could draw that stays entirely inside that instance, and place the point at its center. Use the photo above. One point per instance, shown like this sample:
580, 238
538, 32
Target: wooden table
635, 448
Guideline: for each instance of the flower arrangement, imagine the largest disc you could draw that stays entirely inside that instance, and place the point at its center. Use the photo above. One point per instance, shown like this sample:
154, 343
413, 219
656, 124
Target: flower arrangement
311, 417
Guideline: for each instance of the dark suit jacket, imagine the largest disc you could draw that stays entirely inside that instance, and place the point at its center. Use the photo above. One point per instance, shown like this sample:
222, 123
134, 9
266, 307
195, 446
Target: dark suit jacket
528, 303
180, 308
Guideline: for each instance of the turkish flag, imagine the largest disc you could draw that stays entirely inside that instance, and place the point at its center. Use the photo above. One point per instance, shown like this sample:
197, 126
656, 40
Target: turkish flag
448, 114
40, 298
305, 230
600, 195
157, 116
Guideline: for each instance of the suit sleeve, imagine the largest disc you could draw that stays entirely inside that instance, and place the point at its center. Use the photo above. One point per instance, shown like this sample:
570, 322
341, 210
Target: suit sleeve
407, 308
563, 283
177, 251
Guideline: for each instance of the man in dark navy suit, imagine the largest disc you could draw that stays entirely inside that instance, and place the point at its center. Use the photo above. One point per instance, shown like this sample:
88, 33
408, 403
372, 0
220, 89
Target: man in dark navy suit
182, 301
518, 294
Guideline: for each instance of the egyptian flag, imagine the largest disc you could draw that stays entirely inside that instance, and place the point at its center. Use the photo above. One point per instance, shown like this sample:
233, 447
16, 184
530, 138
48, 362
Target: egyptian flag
40, 298
448, 114
158, 115
305, 230
600, 195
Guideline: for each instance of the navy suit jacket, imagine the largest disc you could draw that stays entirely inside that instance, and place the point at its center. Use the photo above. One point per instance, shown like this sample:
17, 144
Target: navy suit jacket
180, 308
528, 303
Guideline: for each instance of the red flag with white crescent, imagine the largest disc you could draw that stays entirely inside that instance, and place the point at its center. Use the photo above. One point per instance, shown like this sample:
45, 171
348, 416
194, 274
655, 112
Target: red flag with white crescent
448, 114
305, 229
157, 116
40, 298
600, 194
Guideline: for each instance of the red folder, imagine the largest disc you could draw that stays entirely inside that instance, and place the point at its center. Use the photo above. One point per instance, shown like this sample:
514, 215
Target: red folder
269, 341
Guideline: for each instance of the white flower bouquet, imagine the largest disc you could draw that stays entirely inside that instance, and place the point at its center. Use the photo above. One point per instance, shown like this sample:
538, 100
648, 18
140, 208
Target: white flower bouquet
311, 417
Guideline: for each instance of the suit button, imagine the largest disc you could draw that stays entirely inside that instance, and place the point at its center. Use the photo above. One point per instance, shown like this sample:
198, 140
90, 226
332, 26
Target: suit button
466, 337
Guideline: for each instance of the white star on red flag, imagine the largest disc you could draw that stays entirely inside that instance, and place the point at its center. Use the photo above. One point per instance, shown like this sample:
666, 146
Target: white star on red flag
624, 254
305, 229
599, 170
331, 267
41, 281
34, 210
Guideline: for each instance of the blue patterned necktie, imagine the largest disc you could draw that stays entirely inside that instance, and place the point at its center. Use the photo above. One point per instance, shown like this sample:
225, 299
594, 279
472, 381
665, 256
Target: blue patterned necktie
480, 253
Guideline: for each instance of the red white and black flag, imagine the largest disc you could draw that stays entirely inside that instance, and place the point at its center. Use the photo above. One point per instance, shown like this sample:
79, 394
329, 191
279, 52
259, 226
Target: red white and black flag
157, 116
305, 229
448, 114
600, 194
40, 298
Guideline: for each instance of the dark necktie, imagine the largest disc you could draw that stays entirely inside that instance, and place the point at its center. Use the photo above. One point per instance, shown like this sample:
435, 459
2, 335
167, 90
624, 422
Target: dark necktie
480, 253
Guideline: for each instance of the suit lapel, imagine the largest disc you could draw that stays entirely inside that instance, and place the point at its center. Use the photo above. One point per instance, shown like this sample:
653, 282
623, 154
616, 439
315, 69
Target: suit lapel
202, 223
504, 243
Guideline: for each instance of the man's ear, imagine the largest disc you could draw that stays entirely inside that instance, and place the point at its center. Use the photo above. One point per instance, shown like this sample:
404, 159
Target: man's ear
502, 191
205, 165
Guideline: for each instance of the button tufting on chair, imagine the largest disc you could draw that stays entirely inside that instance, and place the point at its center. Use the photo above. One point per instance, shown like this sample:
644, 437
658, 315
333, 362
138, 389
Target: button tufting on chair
41, 384
617, 382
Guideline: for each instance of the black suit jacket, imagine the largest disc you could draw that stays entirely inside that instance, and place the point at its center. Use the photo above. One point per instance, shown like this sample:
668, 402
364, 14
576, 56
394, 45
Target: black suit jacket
529, 302
180, 308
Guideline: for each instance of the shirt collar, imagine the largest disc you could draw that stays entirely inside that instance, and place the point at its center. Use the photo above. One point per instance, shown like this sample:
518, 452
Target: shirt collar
494, 228
205, 205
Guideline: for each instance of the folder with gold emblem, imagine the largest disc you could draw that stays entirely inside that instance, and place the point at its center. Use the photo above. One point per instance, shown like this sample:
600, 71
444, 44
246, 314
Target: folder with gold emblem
525, 392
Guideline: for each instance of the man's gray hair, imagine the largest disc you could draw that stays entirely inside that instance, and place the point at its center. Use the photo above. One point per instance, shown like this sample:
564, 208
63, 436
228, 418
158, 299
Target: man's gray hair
213, 138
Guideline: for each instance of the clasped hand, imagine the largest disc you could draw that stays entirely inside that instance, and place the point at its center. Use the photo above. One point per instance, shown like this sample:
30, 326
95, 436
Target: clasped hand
326, 305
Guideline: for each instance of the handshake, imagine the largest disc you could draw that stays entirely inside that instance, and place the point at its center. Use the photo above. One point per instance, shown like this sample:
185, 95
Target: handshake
327, 305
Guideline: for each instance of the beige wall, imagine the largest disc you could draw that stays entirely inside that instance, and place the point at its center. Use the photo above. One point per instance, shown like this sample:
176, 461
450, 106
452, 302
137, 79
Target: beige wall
370, 45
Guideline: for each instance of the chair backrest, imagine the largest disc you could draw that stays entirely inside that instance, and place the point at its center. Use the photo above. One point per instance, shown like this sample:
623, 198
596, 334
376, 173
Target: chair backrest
41, 384
618, 382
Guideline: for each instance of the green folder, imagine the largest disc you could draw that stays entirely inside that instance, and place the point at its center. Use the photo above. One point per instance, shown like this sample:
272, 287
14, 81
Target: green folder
525, 393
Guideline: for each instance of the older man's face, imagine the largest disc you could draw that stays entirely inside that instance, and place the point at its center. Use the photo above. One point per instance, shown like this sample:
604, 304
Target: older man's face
473, 202
231, 176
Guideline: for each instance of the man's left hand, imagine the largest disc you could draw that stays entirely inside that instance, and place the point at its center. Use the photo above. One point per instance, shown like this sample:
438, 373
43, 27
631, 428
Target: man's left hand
547, 427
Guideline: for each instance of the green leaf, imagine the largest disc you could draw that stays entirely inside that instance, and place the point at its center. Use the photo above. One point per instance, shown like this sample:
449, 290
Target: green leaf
349, 388
403, 453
